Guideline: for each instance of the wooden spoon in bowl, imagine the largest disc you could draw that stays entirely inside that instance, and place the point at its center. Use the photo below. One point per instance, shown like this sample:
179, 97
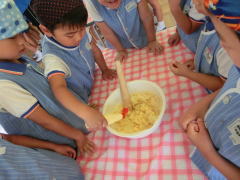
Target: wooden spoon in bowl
126, 99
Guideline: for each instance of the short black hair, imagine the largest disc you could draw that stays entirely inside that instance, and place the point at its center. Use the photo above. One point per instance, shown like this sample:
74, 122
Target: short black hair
60, 12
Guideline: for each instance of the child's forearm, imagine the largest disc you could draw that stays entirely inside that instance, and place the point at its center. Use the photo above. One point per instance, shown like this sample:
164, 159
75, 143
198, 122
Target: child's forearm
183, 21
71, 102
208, 81
147, 18
29, 142
41, 117
229, 170
98, 57
110, 36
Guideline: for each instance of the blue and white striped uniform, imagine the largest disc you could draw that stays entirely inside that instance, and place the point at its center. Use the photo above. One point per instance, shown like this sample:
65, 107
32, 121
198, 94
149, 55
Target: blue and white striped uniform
210, 57
30, 78
22, 163
78, 61
223, 123
124, 21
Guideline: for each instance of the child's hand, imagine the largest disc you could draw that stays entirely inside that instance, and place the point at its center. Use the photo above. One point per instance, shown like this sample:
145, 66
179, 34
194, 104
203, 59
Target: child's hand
121, 55
65, 150
180, 69
32, 38
109, 74
174, 39
190, 64
85, 145
155, 48
199, 136
188, 117
95, 120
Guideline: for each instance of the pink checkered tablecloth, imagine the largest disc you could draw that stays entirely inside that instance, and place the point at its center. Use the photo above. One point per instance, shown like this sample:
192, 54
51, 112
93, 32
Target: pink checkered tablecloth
165, 153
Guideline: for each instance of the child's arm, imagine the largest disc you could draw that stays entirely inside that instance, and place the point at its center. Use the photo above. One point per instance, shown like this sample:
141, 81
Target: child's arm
182, 20
112, 38
37, 143
199, 136
208, 81
174, 39
41, 117
93, 118
197, 110
229, 39
98, 57
147, 19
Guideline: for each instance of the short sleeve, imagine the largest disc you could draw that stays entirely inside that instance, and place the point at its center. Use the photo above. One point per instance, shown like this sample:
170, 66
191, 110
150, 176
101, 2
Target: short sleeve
53, 65
92, 11
195, 15
16, 100
224, 62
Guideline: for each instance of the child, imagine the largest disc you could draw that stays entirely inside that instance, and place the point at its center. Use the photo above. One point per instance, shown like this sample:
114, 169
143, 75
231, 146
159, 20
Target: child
213, 123
124, 24
189, 38
211, 61
18, 162
68, 58
160, 25
27, 105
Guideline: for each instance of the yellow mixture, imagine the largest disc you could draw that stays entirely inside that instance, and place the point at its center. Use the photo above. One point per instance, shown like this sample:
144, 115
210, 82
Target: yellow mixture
146, 108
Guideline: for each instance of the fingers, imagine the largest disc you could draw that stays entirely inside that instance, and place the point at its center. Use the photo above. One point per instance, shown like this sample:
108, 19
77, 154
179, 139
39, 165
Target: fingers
193, 128
174, 66
105, 123
88, 147
30, 43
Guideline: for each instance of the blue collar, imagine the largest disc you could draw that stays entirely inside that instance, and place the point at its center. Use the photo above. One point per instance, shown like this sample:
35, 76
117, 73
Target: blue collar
13, 68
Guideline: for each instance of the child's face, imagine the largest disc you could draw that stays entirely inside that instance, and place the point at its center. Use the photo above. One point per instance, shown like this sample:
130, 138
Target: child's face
68, 36
112, 4
12, 48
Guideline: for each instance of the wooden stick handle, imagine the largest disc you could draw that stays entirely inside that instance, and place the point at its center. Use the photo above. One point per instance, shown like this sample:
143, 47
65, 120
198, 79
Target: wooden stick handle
126, 99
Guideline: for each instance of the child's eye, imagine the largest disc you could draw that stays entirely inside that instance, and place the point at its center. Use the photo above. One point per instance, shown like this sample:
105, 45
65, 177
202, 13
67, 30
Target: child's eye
69, 36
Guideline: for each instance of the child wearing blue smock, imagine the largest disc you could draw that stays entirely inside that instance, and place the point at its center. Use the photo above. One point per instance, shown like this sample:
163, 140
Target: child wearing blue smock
69, 55
31, 162
211, 62
213, 124
124, 24
27, 105
190, 37
16, 161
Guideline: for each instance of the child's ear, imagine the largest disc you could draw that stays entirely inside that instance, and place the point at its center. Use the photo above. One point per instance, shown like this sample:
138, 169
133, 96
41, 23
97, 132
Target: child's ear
45, 30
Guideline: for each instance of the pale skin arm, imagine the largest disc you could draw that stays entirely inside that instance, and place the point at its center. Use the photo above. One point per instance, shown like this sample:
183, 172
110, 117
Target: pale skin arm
229, 39
113, 39
98, 57
37, 143
182, 20
198, 134
147, 20
92, 117
157, 9
208, 81
41, 117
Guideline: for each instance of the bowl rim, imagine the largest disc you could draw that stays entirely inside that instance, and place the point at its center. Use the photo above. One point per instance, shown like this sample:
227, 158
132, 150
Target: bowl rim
145, 132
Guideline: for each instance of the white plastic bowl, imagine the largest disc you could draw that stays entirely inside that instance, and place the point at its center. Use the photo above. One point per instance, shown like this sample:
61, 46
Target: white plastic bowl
133, 87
